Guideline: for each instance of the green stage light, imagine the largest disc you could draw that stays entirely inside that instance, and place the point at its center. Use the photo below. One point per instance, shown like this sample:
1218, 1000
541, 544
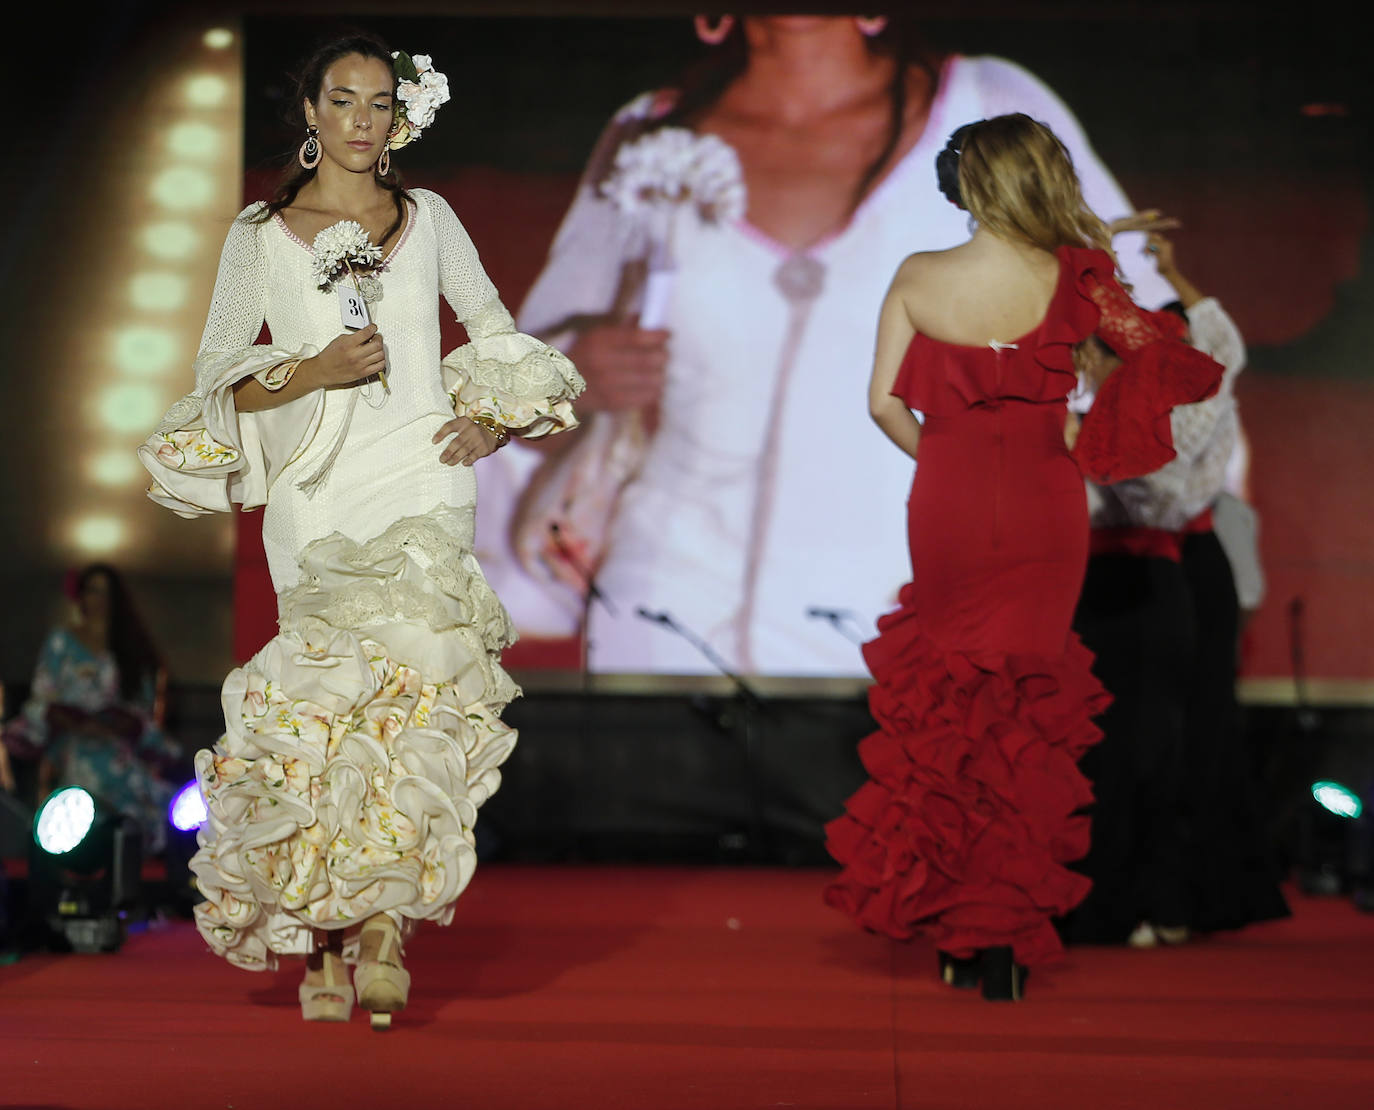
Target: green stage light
64, 821
84, 865
1338, 799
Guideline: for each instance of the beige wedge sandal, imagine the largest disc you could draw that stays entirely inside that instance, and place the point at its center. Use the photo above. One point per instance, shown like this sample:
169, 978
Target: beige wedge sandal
383, 985
332, 999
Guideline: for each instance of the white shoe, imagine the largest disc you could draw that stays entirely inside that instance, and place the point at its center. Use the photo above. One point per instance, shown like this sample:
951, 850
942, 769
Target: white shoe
1143, 936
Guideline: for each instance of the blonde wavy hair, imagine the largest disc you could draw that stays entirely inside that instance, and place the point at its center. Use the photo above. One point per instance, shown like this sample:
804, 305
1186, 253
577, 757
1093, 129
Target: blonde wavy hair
1017, 180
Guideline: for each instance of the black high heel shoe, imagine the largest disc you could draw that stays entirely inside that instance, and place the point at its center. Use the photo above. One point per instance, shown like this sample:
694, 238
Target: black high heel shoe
962, 974
1004, 980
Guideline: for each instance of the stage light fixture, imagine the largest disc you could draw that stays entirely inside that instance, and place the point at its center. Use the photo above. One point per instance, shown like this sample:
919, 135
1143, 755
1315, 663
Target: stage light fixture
64, 821
182, 187
84, 863
114, 468
98, 535
129, 408
143, 350
187, 812
218, 38
206, 90
157, 291
193, 139
169, 240
1338, 799
1336, 844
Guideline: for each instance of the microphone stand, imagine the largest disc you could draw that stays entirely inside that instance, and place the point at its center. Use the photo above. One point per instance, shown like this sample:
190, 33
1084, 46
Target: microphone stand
591, 592
1315, 876
837, 618
751, 708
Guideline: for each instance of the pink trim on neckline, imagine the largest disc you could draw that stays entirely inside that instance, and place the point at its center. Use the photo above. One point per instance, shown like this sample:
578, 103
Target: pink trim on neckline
750, 231
411, 209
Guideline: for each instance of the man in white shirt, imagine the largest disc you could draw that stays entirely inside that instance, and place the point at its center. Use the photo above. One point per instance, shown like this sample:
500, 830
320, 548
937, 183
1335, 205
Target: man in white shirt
1177, 839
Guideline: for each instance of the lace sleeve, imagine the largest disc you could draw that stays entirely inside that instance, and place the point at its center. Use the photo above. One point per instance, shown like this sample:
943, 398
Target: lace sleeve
1123, 325
1127, 432
237, 306
518, 381
205, 456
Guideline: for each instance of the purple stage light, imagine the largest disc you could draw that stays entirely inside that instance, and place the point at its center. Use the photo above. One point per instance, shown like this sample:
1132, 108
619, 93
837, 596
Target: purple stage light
187, 811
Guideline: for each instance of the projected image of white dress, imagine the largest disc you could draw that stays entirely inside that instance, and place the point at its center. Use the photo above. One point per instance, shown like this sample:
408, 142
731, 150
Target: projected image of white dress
361, 740
765, 490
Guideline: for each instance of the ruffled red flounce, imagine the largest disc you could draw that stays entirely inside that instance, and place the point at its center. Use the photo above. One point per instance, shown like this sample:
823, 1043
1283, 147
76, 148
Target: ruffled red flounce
971, 811
1128, 432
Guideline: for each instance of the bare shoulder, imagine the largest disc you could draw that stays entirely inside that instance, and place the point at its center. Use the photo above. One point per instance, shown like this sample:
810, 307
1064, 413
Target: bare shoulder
925, 268
923, 283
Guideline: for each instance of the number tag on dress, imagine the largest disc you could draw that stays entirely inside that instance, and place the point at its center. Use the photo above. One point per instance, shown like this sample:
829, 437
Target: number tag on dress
352, 307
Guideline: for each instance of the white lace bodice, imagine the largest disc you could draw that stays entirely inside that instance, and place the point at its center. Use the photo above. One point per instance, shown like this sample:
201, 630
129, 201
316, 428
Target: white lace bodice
348, 460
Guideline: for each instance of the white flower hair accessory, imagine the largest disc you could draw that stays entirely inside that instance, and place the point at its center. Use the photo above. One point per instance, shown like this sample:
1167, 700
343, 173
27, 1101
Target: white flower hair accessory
420, 89
340, 247
672, 167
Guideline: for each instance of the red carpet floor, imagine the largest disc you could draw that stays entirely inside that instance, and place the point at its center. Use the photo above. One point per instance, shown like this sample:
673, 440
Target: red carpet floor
678, 989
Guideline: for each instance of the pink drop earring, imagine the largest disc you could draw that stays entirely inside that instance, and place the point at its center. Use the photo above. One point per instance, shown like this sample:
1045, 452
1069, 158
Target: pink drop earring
713, 34
870, 25
384, 162
310, 153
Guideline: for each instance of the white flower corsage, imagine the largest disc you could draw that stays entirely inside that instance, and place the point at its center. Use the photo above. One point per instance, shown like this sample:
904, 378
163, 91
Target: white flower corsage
340, 247
420, 89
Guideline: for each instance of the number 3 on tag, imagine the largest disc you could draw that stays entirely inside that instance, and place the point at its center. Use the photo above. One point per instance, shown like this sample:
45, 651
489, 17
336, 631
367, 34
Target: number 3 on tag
352, 308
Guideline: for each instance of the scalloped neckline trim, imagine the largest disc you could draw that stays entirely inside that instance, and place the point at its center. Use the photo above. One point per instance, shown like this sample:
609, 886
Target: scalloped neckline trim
411, 208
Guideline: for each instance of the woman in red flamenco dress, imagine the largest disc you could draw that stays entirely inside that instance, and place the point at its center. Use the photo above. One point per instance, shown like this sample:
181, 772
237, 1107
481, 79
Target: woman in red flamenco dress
983, 697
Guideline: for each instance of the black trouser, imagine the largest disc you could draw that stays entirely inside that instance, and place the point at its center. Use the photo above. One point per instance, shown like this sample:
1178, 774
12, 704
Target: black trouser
1136, 615
1229, 861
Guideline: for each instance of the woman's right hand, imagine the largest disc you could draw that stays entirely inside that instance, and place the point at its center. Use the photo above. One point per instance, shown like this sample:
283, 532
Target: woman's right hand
349, 358
625, 367
1147, 219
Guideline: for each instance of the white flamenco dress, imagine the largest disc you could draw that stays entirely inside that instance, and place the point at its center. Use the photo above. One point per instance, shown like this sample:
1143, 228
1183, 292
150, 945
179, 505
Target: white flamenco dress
360, 742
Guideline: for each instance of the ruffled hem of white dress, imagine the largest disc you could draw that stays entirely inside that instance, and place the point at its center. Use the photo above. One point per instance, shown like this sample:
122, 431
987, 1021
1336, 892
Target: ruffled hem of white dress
360, 742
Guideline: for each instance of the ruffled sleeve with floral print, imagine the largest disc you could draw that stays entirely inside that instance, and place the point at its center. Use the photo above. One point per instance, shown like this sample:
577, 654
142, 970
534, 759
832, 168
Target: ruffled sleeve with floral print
513, 378
205, 456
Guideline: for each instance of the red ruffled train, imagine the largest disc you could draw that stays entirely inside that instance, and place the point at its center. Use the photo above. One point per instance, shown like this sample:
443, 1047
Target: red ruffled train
971, 813
983, 697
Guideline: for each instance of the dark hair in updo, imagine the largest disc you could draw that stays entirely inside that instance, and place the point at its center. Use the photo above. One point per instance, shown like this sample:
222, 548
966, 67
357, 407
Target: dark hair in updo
1016, 179
947, 166
308, 87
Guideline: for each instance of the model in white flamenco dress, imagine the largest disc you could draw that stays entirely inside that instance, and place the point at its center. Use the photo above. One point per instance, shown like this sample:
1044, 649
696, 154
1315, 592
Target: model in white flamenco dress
362, 739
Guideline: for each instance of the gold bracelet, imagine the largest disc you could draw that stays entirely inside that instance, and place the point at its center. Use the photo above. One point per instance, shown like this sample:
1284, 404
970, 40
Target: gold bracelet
482, 420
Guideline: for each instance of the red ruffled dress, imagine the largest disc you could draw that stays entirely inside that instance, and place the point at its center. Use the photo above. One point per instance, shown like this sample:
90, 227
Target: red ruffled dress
983, 696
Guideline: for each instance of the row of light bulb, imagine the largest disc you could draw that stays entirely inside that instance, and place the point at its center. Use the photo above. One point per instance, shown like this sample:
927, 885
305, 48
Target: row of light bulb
150, 349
